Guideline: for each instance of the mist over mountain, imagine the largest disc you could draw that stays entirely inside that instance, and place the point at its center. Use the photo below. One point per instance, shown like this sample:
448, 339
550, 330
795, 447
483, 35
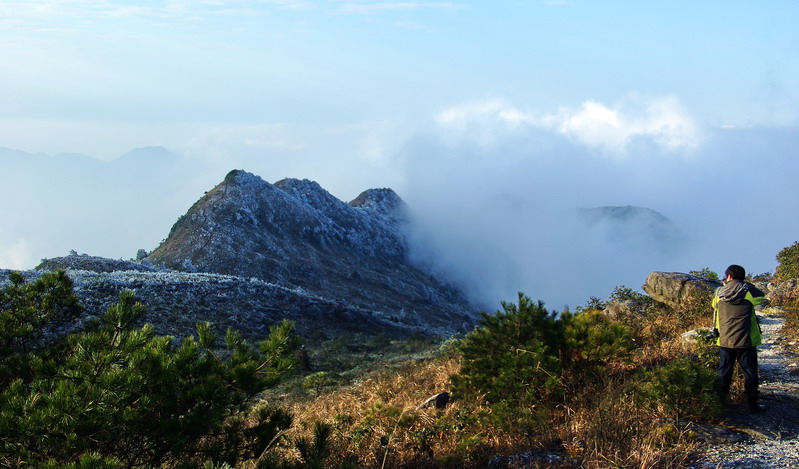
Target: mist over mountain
294, 233
493, 203
628, 226
249, 253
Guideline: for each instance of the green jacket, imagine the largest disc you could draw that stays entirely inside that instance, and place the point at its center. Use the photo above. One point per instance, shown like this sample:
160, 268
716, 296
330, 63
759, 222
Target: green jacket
734, 311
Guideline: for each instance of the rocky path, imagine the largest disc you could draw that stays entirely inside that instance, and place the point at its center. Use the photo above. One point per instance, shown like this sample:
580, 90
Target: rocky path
769, 439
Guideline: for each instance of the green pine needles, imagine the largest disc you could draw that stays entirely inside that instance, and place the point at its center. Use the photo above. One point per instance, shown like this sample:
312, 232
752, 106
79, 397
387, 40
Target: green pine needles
120, 396
788, 260
520, 356
512, 356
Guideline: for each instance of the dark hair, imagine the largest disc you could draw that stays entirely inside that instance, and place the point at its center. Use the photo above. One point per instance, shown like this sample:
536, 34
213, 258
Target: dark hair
736, 272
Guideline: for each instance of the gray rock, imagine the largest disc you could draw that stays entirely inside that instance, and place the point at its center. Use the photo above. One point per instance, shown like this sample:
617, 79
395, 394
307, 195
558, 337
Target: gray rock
693, 336
439, 401
784, 293
678, 290
86, 262
617, 309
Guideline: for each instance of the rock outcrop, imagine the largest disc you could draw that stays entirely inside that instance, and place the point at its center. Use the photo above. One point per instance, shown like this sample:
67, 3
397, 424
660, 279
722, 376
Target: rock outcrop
678, 290
297, 235
75, 261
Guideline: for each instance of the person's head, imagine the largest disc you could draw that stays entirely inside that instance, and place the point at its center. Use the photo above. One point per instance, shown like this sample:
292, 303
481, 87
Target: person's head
735, 272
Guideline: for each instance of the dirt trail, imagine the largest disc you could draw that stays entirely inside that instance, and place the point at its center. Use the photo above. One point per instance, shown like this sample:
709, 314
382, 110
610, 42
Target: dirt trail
769, 439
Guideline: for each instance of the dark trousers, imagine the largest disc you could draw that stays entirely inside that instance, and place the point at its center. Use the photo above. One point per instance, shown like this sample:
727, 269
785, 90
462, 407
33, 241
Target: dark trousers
747, 358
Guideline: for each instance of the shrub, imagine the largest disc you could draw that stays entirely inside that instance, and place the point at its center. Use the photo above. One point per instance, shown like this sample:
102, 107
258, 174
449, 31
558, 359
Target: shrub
705, 272
518, 355
788, 260
512, 356
318, 381
591, 338
684, 387
622, 293
27, 313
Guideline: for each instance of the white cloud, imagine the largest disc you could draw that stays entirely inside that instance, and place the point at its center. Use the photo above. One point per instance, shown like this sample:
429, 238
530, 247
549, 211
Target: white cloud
610, 129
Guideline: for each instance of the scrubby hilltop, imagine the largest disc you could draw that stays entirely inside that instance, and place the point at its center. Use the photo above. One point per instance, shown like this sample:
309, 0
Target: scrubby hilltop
295, 234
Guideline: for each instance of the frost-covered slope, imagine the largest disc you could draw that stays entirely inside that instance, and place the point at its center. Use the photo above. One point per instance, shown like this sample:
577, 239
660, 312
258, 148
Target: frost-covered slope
177, 301
295, 234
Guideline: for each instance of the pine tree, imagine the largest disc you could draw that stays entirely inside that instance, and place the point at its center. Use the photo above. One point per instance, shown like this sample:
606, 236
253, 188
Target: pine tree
28, 314
122, 397
512, 356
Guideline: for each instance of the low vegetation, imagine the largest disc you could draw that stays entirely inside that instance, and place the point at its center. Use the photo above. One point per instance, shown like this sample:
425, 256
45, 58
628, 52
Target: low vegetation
610, 384
788, 298
788, 260
581, 387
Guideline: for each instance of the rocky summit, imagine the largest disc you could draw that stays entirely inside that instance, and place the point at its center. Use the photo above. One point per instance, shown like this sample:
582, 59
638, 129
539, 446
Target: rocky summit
296, 235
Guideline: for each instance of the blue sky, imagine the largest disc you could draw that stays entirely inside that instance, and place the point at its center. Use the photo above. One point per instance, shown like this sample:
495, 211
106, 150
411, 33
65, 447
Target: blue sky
422, 96
167, 71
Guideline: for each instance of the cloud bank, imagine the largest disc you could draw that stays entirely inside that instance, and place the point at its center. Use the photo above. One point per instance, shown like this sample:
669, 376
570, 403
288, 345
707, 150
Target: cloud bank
496, 189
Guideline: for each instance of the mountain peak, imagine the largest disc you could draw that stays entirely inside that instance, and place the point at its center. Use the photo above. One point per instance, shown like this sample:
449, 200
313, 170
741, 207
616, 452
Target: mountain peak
384, 201
243, 179
295, 233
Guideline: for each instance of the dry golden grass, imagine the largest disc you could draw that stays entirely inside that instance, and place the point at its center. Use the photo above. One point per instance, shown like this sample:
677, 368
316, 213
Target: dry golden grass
377, 423
601, 421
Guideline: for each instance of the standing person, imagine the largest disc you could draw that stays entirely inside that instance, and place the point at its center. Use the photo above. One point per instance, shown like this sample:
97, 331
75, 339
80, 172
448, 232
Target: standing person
738, 332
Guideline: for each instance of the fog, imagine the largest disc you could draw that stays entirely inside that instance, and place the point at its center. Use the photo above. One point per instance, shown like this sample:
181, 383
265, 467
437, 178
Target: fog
494, 202
494, 193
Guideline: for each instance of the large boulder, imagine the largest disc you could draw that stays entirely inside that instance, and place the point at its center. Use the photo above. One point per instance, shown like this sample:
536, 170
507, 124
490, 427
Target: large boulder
678, 290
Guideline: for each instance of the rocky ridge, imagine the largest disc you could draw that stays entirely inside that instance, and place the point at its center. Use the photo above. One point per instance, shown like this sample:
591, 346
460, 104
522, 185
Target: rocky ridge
634, 225
249, 254
295, 234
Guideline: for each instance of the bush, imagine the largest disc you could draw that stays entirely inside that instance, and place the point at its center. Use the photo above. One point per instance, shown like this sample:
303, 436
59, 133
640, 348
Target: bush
622, 293
118, 394
28, 314
512, 356
519, 355
705, 272
788, 260
591, 338
684, 387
